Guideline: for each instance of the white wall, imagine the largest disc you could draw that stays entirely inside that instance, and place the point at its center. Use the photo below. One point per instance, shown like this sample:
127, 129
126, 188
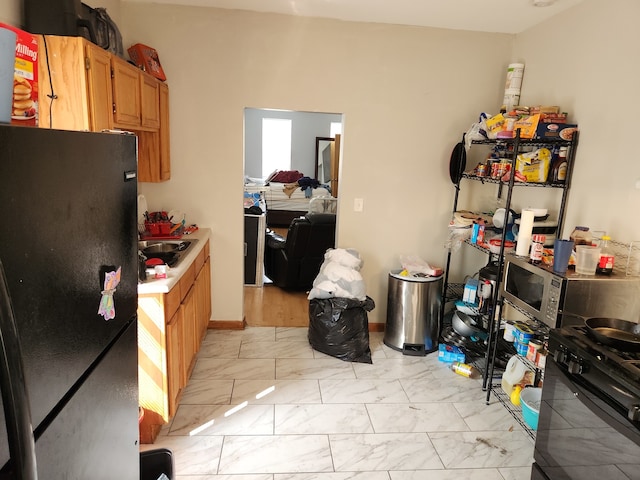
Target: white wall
407, 95
587, 61
305, 127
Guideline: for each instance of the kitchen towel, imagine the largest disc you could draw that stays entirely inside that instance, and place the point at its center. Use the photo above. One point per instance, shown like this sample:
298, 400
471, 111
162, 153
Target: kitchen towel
524, 232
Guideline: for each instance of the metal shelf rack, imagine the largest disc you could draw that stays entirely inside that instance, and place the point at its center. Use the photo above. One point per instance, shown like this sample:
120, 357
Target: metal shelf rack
516, 146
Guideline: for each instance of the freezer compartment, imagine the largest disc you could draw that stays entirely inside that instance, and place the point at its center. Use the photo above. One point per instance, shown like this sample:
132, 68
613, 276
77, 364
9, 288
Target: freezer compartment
96, 433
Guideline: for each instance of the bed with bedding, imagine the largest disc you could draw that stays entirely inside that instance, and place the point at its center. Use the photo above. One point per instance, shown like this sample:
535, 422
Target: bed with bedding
286, 196
285, 204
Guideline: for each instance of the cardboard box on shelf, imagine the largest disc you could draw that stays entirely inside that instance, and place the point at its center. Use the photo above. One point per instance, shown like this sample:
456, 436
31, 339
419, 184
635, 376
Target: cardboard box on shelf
24, 109
562, 131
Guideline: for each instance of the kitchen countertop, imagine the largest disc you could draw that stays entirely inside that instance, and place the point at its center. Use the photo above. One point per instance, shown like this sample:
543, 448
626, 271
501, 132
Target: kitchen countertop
163, 285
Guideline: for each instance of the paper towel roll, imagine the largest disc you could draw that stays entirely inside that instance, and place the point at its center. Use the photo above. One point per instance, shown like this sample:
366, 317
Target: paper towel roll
524, 232
515, 72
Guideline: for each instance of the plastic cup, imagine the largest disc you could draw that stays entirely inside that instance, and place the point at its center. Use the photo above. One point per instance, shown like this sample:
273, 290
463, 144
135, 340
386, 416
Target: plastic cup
561, 253
587, 258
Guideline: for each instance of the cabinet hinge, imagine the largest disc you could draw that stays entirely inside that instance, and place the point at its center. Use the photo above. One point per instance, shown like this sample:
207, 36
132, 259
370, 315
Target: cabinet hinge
112, 74
114, 107
87, 63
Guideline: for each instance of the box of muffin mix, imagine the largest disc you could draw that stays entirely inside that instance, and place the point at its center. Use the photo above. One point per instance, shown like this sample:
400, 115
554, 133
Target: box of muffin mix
24, 110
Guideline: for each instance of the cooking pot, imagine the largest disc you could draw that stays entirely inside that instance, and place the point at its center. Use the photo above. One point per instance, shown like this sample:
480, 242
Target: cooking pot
614, 332
464, 325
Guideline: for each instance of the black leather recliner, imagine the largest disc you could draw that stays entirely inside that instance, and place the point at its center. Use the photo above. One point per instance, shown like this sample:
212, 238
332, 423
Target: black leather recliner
293, 263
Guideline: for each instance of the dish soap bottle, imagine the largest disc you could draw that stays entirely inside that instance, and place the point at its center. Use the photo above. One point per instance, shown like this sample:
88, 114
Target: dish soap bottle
605, 265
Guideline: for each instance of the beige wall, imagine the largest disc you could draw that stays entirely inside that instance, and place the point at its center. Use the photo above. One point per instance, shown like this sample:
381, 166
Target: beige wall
407, 95
586, 60
10, 12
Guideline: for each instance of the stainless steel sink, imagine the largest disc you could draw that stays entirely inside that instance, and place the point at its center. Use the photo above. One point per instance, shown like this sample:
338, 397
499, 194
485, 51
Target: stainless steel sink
169, 251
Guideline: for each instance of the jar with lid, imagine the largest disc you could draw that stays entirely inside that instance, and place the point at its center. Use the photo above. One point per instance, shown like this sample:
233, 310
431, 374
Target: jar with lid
605, 264
559, 166
581, 236
537, 246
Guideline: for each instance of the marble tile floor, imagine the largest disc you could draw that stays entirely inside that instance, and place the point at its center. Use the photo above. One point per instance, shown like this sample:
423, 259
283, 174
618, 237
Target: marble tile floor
263, 405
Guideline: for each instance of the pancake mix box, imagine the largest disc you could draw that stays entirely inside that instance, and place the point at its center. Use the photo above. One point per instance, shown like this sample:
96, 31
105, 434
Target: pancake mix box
25, 79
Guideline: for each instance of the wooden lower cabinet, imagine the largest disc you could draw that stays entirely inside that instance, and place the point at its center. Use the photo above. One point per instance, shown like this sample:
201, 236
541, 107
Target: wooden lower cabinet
171, 327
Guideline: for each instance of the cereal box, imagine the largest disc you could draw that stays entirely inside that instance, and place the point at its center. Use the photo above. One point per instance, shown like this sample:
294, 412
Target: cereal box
25, 79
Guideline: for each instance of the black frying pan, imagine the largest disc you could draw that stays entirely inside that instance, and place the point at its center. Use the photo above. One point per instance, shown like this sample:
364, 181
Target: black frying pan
614, 332
458, 162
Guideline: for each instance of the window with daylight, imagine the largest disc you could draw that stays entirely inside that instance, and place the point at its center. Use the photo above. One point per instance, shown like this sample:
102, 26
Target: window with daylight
276, 145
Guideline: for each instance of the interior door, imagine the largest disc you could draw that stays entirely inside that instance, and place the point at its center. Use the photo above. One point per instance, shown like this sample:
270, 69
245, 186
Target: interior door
335, 165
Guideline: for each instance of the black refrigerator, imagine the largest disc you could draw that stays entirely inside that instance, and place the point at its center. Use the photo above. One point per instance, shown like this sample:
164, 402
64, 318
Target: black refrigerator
69, 374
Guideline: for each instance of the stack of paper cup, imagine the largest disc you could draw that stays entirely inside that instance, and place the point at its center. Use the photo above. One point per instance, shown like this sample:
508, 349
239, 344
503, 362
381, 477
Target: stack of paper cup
524, 232
515, 72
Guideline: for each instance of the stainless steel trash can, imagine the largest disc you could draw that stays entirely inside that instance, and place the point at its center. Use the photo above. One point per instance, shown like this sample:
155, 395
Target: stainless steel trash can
413, 314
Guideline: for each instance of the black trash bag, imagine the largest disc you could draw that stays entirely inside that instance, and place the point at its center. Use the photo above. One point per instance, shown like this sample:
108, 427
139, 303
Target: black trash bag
340, 327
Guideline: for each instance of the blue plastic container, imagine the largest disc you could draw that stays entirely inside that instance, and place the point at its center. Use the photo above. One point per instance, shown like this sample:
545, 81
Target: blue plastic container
530, 400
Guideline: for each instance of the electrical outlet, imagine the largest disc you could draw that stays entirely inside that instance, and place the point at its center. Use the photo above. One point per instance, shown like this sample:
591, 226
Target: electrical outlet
358, 204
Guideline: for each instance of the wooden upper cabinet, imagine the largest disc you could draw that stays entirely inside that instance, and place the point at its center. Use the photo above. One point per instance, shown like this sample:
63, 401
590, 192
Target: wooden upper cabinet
83, 87
98, 65
63, 75
126, 94
165, 146
150, 102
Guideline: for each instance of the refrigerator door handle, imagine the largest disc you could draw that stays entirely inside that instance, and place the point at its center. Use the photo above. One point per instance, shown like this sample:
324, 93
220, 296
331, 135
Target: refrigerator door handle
14, 391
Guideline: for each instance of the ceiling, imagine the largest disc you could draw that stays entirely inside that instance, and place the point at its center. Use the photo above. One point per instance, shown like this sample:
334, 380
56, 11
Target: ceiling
504, 16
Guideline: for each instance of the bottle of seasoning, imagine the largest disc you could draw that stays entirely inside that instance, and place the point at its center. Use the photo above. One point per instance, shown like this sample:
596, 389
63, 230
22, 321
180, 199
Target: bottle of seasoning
605, 265
537, 245
559, 167
581, 236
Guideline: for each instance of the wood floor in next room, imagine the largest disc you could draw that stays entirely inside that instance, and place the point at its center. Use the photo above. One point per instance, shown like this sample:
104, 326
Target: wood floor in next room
270, 306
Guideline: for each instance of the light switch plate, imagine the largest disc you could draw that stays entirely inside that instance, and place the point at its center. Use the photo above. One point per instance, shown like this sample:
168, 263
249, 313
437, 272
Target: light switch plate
358, 204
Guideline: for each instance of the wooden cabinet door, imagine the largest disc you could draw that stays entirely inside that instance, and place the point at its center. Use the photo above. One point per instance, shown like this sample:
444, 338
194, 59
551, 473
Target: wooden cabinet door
188, 321
201, 307
126, 94
175, 370
165, 150
99, 86
63, 73
149, 102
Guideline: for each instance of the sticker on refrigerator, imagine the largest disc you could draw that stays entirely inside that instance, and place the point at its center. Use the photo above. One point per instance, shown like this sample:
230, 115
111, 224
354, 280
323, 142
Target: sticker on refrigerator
107, 307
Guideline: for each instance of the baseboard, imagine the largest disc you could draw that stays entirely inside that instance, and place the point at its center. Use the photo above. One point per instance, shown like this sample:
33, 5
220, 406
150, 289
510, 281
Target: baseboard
241, 324
226, 324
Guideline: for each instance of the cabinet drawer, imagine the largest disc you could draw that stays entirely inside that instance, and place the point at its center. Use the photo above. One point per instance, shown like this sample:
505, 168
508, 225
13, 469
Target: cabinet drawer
199, 261
186, 282
172, 302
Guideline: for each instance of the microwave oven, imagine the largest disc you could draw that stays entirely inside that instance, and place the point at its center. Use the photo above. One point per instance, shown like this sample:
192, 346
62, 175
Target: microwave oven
552, 298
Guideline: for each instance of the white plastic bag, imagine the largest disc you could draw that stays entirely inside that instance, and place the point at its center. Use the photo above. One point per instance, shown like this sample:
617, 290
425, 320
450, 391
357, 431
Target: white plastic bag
416, 266
477, 131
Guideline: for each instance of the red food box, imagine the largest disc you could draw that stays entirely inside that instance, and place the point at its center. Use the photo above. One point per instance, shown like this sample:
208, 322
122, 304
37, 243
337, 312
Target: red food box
147, 59
24, 110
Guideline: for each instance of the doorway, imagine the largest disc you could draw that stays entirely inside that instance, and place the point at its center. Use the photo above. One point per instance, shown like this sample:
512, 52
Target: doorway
264, 303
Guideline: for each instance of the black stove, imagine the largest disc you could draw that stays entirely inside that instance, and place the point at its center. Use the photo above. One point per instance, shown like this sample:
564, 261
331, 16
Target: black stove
614, 372
589, 422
